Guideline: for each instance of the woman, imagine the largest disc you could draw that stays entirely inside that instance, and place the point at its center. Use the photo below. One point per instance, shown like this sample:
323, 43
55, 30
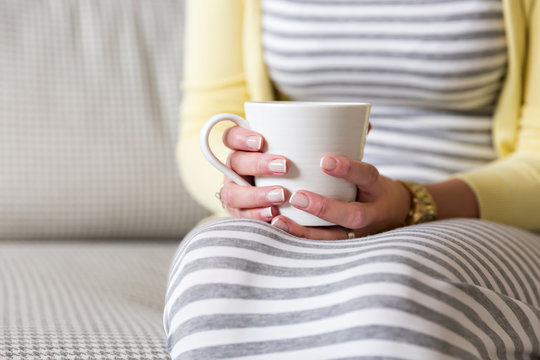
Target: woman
455, 89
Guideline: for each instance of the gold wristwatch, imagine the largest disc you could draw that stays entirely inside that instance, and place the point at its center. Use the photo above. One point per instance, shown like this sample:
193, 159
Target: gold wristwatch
423, 207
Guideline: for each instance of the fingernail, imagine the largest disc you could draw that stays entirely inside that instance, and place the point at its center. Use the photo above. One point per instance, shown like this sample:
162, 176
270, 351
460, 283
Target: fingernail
276, 196
280, 224
254, 142
268, 213
328, 163
278, 166
299, 200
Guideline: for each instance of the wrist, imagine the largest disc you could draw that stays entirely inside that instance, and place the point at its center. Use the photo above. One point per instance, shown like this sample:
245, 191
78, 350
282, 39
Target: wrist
422, 205
454, 199
404, 203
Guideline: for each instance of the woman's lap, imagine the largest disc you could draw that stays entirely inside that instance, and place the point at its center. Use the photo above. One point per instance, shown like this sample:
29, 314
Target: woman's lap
448, 289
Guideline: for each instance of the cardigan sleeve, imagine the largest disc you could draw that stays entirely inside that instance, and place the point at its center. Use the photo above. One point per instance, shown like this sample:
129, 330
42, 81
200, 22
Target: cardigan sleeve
214, 82
508, 190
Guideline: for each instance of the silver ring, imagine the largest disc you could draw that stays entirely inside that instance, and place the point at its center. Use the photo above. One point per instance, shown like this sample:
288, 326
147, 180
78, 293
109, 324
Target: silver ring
218, 195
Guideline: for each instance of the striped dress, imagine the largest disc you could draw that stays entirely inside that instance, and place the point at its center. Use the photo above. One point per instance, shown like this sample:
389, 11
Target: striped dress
432, 69
452, 289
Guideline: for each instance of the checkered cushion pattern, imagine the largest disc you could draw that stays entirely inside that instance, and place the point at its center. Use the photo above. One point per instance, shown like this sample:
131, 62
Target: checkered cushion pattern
89, 96
92, 299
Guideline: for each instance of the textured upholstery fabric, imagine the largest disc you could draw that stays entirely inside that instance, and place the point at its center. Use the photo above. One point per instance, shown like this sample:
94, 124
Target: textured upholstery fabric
83, 300
89, 94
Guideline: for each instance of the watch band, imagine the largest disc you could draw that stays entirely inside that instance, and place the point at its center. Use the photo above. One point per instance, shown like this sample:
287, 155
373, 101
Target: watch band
423, 207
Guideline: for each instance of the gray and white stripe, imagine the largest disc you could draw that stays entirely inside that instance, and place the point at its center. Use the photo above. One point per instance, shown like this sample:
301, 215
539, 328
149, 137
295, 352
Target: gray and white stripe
441, 59
466, 289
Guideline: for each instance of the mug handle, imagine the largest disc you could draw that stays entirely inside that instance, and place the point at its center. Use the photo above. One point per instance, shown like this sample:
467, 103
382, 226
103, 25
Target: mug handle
207, 152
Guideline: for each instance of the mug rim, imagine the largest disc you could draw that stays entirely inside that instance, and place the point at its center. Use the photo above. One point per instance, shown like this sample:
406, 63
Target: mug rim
310, 103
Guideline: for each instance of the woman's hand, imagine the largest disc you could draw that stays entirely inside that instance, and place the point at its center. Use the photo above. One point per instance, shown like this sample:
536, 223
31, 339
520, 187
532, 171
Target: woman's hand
382, 203
247, 160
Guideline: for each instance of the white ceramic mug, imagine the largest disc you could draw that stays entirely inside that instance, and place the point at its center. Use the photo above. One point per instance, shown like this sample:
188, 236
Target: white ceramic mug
303, 132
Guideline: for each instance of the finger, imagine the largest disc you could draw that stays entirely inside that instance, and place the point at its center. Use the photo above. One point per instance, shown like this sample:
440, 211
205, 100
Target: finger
364, 175
257, 164
238, 196
351, 215
315, 233
239, 138
265, 214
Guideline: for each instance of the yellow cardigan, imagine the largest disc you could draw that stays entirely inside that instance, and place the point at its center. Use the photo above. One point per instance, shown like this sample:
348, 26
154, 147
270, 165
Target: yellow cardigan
223, 68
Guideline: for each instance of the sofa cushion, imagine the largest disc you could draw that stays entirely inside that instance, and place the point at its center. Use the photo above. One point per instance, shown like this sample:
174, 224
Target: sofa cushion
89, 94
83, 300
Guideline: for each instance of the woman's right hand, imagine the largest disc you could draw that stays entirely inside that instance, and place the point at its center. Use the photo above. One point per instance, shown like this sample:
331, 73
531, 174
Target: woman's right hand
247, 160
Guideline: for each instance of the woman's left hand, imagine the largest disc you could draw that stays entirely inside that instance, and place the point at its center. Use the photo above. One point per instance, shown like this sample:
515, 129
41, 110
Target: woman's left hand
381, 204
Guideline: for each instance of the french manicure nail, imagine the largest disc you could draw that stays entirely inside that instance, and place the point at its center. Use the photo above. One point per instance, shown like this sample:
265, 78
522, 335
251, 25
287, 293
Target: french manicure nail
254, 142
280, 224
276, 196
268, 213
299, 200
328, 163
278, 166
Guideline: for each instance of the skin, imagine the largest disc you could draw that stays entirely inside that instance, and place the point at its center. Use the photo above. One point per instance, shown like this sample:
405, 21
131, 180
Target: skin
382, 204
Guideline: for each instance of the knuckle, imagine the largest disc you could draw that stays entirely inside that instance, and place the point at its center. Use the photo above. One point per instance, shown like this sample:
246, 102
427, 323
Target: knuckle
260, 197
321, 207
260, 166
357, 218
346, 166
372, 174
237, 136
236, 161
225, 137
226, 195
230, 159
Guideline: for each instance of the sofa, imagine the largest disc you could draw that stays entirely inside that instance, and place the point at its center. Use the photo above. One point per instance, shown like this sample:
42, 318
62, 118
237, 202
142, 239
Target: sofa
91, 204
